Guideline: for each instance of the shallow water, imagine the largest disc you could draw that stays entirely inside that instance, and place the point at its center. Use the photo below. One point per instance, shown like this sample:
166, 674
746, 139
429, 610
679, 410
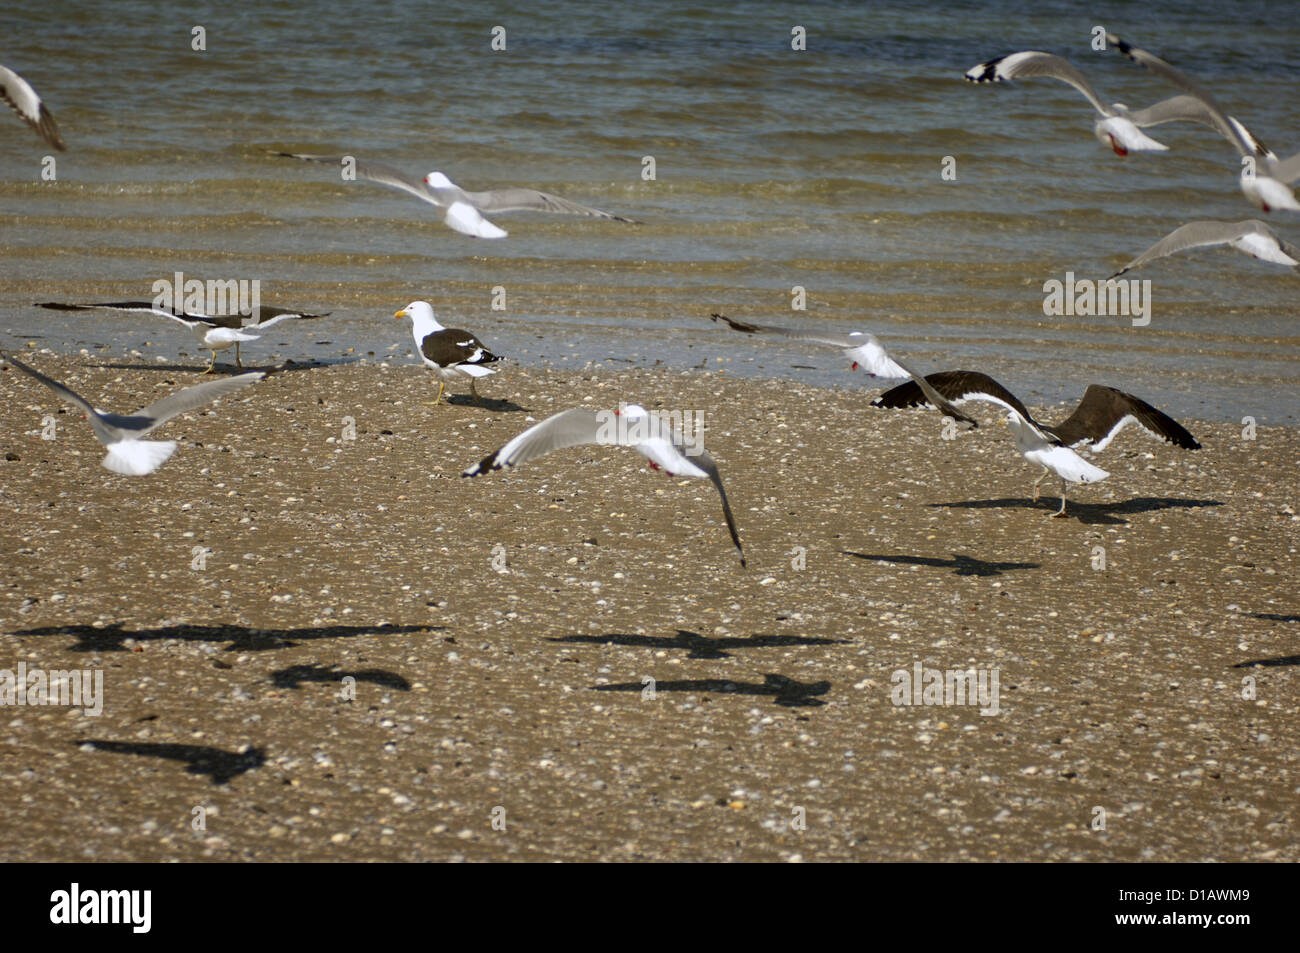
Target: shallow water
775, 169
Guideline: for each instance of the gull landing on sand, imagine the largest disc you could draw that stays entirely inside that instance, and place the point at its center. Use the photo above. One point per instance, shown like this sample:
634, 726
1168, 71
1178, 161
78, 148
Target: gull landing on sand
460, 210
453, 353
215, 332
1115, 128
577, 426
865, 353
1103, 413
22, 99
128, 453
1251, 237
1265, 180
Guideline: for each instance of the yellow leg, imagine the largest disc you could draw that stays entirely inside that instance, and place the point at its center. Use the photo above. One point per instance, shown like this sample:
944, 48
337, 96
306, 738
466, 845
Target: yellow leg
238, 362
473, 392
212, 364
1038, 481
1061, 512
442, 385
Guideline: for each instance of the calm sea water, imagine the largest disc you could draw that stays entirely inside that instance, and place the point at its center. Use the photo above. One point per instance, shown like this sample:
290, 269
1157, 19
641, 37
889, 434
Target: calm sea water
775, 168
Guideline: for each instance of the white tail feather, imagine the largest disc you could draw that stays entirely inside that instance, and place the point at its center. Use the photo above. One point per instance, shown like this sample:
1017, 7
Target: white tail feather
1067, 464
138, 457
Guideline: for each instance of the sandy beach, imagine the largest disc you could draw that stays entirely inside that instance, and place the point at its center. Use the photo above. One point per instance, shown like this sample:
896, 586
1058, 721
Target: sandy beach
498, 711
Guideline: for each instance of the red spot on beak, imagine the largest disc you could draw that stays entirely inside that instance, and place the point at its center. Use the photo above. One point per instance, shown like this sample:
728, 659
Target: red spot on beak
1119, 150
854, 367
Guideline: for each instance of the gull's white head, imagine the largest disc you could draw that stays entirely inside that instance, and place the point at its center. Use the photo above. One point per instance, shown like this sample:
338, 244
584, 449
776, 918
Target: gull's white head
436, 180
631, 412
417, 311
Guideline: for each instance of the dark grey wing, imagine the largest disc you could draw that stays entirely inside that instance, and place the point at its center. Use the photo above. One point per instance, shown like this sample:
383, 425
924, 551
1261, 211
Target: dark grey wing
568, 428
1218, 115
22, 99
1193, 109
375, 172
1029, 64
707, 464
957, 387
935, 398
454, 346
1105, 411
829, 338
134, 307
531, 200
73, 398
191, 398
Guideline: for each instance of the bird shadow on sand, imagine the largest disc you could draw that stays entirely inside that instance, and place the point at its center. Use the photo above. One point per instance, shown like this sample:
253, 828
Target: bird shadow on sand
295, 675
1270, 662
1275, 616
959, 564
784, 691
495, 405
697, 645
110, 638
220, 766
1104, 513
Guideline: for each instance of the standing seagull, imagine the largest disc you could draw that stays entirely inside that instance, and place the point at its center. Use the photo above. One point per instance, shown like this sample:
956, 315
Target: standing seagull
1252, 237
22, 99
453, 353
127, 452
462, 211
630, 426
862, 349
1103, 412
1265, 179
215, 332
1115, 128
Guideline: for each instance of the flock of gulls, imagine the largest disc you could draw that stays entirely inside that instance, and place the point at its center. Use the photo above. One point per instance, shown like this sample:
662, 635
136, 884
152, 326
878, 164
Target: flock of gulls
457, 355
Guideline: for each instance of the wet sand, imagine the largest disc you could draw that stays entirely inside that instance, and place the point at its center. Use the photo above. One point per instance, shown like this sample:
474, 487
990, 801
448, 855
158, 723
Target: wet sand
476, 690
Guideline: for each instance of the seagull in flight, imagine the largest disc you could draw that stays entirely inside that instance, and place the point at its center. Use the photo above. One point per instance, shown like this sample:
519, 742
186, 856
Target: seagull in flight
1252, 237
629, 426
864, 351
1103, 413
128, 452
462, 211
1265, 179
1116, 127
215, 332
22, 99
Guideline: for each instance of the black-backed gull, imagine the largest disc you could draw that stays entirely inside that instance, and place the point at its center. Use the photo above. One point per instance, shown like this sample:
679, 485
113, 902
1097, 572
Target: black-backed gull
1103, 413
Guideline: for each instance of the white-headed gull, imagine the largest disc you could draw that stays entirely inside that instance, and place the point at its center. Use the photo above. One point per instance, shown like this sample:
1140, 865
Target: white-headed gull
214, 332
864, 351
629, 426
1265, 180
128, 453
1115, 128
1252, 237
453, 353
462, 211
